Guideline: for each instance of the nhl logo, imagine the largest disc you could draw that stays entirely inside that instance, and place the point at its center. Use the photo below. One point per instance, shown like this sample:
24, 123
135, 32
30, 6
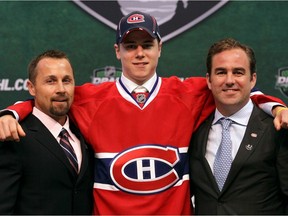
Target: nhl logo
282, 81
141, 98
173, 16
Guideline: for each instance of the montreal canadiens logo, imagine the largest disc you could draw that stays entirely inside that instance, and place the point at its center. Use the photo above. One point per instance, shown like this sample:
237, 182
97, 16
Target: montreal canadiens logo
135, 18
145, 169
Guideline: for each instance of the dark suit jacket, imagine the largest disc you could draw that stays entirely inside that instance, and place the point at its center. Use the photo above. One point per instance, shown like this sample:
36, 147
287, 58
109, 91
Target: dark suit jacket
258, 179
37, 178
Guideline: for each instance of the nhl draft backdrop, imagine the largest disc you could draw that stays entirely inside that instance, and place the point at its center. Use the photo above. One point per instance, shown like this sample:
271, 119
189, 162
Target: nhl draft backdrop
85, 30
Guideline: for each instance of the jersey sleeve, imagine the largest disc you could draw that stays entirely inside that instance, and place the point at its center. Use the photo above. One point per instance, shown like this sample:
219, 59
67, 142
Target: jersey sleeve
208, 108
202, 104
87, 100
20, 110
265, 102
205, 102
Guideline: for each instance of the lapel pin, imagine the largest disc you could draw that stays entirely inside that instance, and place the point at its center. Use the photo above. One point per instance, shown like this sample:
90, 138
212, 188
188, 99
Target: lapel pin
253, 135
249, 147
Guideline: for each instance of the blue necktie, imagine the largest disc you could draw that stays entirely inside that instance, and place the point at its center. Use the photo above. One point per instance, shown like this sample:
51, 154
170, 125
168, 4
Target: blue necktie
223, 159
68, 149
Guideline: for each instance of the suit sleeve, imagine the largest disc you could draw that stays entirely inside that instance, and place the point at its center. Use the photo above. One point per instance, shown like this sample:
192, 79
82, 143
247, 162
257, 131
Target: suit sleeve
282, 162
10, 173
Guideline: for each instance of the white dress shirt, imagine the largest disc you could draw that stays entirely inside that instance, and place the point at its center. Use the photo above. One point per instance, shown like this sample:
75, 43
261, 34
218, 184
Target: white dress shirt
55, 128
237, 130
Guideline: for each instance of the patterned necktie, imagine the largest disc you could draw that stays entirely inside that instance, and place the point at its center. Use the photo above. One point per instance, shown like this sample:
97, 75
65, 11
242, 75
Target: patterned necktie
223, 159
68, 149
140, 94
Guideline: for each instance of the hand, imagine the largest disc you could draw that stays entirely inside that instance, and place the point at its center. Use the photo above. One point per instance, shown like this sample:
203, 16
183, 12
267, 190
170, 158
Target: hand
281, 117
10, 129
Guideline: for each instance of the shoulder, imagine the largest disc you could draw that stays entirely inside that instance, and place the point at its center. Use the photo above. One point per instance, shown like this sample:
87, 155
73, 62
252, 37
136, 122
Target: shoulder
30, 121
262, 122
90, 90
192, 85
258, 113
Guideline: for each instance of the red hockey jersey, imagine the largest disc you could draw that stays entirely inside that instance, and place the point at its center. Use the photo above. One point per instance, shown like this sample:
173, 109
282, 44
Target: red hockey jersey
141, 162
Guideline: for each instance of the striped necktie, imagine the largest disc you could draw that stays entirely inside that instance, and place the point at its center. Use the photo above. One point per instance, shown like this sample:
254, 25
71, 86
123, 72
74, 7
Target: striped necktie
68, 149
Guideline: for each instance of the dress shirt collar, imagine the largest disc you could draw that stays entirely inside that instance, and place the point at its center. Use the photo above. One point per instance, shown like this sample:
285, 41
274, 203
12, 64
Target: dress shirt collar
130, 86
53, 126
241, 117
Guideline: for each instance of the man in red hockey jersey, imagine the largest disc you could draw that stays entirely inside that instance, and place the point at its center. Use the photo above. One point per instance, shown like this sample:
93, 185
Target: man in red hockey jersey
141, 143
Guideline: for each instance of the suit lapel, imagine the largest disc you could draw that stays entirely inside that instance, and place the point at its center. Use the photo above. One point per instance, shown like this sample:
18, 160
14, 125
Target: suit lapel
84, 149
253, 134
203, 145
45, 138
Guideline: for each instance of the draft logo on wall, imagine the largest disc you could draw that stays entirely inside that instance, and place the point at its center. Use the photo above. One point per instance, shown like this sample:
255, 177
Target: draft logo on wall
173, 16
105, 74
282, 80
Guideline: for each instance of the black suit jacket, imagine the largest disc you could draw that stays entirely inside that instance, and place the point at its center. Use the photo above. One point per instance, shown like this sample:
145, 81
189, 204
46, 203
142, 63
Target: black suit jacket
258, 179
37, 178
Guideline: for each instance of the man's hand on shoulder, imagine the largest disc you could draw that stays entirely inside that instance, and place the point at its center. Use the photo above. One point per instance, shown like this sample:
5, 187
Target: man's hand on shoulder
10, 129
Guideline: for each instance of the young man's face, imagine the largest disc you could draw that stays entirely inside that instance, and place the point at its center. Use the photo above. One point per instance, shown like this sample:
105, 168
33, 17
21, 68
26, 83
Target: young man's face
230, 80
53, 89
139, 54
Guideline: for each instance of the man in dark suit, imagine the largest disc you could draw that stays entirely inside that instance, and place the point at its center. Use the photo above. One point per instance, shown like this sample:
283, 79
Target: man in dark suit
36, 175
256, 179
